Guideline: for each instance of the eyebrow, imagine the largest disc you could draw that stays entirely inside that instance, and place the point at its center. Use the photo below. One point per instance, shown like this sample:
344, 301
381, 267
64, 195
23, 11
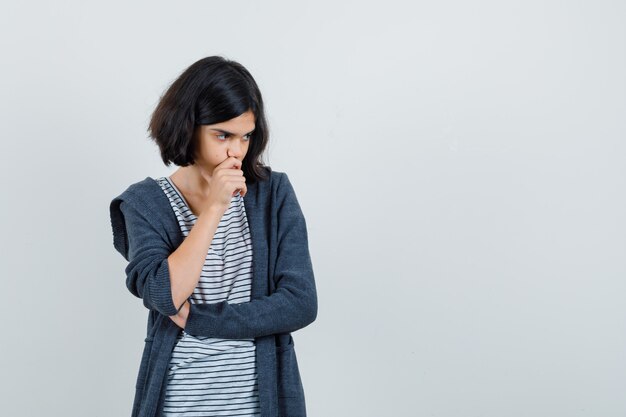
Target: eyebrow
230, 133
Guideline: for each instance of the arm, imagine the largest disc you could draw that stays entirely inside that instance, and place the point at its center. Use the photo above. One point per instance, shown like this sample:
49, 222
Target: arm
294, 303
147, 273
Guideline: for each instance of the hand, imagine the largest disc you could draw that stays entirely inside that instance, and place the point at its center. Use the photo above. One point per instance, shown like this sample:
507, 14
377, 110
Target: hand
227, 179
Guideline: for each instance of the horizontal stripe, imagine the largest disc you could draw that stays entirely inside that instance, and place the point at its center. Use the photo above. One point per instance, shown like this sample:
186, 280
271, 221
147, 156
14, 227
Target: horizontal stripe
210, 376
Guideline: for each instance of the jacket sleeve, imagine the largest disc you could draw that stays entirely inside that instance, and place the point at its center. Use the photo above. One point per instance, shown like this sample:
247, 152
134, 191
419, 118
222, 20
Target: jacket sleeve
293, 304
147, 272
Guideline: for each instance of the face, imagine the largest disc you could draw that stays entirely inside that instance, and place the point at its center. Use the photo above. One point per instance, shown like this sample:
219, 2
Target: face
216, 142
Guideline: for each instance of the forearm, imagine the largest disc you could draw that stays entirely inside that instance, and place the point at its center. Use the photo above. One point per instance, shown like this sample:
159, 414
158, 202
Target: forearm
284, 311
186, 262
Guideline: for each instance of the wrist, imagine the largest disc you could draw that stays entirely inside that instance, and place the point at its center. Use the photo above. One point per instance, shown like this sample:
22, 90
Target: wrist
214, 210
184, 310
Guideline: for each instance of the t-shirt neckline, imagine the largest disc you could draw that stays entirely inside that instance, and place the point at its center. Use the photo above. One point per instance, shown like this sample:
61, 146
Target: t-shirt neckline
180, 195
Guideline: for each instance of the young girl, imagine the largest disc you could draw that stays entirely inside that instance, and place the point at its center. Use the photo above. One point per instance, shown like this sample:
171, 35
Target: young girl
218, 252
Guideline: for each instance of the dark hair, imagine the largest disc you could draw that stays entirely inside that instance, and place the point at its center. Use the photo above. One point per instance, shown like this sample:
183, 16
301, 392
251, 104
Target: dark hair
212, 90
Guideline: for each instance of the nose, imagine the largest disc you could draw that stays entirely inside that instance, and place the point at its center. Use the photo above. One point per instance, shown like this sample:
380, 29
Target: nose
235, 149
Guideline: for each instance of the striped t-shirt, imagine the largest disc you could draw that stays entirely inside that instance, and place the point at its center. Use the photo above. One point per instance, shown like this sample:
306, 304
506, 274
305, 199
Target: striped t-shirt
211, 376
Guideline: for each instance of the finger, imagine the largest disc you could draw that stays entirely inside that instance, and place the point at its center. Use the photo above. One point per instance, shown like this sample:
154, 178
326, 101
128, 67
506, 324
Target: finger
234, 162
241, 189
230, 162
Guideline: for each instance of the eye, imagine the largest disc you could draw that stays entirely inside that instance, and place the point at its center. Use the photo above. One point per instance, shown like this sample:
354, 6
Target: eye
249, 136
225, 136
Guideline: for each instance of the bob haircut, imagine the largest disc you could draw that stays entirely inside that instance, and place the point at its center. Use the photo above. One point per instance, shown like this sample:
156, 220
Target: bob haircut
212, 90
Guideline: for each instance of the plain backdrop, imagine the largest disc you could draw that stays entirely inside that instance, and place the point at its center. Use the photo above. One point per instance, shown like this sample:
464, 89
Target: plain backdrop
461, 167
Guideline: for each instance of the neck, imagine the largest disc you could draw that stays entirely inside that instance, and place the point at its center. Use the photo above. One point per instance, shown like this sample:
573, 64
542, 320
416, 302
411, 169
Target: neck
192, 179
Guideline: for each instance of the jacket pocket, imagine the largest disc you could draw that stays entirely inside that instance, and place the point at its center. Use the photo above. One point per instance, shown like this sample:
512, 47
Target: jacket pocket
290, 390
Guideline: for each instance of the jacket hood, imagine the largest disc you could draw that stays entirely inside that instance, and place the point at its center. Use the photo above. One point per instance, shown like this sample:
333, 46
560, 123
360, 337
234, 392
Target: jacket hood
144, 196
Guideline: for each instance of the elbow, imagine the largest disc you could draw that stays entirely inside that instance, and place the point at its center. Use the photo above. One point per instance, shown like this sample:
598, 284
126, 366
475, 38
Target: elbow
310, 303
310, 310
304, 311
154, 292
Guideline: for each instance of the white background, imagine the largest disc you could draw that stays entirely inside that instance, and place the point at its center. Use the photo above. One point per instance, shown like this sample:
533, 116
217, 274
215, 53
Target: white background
461, 166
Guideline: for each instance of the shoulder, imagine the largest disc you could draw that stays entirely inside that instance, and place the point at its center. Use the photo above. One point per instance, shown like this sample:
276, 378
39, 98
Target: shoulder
142, 190
281, 185
142, 202
272, 185
141, 195
277, 176
271, 176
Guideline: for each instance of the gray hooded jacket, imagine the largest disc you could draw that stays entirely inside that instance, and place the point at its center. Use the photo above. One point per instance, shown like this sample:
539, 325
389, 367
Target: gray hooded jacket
283, 299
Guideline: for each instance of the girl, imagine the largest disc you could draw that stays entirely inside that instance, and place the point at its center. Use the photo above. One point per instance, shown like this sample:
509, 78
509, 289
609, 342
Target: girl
218, 252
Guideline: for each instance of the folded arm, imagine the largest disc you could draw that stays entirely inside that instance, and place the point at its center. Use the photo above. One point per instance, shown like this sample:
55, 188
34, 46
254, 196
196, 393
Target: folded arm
147, 273
292, 306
